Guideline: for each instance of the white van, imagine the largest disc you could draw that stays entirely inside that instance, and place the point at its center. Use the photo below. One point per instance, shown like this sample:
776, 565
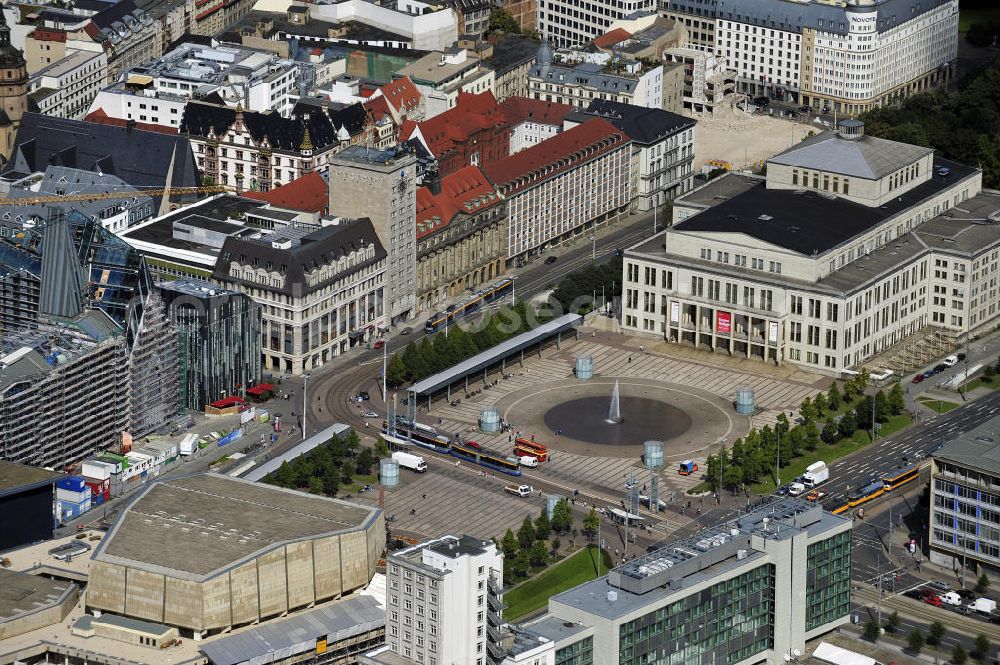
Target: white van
528, 460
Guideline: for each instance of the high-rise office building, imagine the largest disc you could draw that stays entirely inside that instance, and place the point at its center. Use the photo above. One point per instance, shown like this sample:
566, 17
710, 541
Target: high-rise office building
381, 185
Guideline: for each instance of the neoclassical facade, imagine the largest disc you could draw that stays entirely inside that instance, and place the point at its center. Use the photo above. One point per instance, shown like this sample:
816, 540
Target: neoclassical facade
461, 237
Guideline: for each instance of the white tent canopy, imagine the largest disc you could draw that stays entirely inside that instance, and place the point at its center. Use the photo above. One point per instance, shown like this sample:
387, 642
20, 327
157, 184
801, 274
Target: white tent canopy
838, 656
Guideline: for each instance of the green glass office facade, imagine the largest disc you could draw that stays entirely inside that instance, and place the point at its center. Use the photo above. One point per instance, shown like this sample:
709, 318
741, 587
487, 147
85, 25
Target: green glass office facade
578, 653
726, 623
828, 580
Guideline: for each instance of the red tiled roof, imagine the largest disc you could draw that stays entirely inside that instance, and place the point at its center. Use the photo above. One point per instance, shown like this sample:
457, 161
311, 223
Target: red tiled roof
309, 193
100, 117
608, 39
522, 109
401, 94
406, 129
471, 113
592, 138
379, 107
465, 190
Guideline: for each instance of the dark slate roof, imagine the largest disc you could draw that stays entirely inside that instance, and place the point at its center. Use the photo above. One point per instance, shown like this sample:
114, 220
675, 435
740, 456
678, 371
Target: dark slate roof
794, 16
511, 52
114, 12
325, 245
140, 158
92, 5
352, 117
643, 125
282, 133
808, 222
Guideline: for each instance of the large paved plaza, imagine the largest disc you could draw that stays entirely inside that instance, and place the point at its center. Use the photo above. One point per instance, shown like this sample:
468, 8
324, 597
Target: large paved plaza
700, 388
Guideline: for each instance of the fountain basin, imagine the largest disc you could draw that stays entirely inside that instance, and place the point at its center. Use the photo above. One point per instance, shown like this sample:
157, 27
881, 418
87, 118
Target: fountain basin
587, 419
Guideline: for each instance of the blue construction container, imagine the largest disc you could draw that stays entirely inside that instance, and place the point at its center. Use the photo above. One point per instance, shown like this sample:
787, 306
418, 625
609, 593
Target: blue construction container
71, 483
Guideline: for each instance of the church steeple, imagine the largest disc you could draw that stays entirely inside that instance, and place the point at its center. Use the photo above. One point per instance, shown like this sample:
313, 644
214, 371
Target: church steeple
13, 89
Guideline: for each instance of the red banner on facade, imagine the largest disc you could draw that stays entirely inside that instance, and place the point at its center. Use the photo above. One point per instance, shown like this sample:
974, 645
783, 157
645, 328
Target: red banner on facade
723, 322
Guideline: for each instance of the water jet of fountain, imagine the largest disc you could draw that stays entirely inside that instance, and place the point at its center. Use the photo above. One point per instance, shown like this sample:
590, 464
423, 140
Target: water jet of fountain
615, 410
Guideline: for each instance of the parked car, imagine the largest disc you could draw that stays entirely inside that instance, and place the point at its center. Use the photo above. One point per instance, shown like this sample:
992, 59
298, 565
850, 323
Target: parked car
917, 378
406, 331
940, 367
950, 361
364, 395
913, 593
960, 356
933, 600
550, 260
369, 414
815, 495
379, 343
783, 490
938, 584
928, 374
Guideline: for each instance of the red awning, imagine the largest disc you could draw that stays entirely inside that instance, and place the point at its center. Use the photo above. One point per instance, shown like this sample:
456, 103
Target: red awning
228, 401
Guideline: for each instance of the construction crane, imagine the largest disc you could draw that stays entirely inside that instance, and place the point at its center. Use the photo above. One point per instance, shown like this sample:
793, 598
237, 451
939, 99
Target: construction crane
124, 194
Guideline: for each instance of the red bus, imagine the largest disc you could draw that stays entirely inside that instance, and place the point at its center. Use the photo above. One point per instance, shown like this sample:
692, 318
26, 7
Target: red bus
528, 448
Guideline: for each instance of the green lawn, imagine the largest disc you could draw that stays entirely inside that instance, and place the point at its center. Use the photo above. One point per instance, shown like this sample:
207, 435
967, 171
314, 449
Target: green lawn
981, 382
938, 405
572, 571
967, 17
828, 454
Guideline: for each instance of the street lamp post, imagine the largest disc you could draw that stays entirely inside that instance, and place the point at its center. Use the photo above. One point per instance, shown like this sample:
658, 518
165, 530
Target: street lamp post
385, 362
305, 403
593, 245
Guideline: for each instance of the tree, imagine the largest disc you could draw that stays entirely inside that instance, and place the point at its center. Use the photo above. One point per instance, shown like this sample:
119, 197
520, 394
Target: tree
395, 371
315, 485
807, 410
981, 647
983, 583
862, 379
811, 436
381, 448
542, 525
935, 632
591, 523
915, 640
848, 425
366, 458
820, 404
508, 545
538, 554
502, 21
897, 399
829, 433
732, 477
347, 472
526, 534
833, 397
521, 564
562, 517
893, 624
958, 655
989, 372
873, 630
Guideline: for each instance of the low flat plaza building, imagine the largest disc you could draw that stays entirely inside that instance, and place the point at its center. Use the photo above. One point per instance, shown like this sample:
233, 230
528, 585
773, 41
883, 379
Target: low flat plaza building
753, 589
849, 246
208, 553
965, 495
